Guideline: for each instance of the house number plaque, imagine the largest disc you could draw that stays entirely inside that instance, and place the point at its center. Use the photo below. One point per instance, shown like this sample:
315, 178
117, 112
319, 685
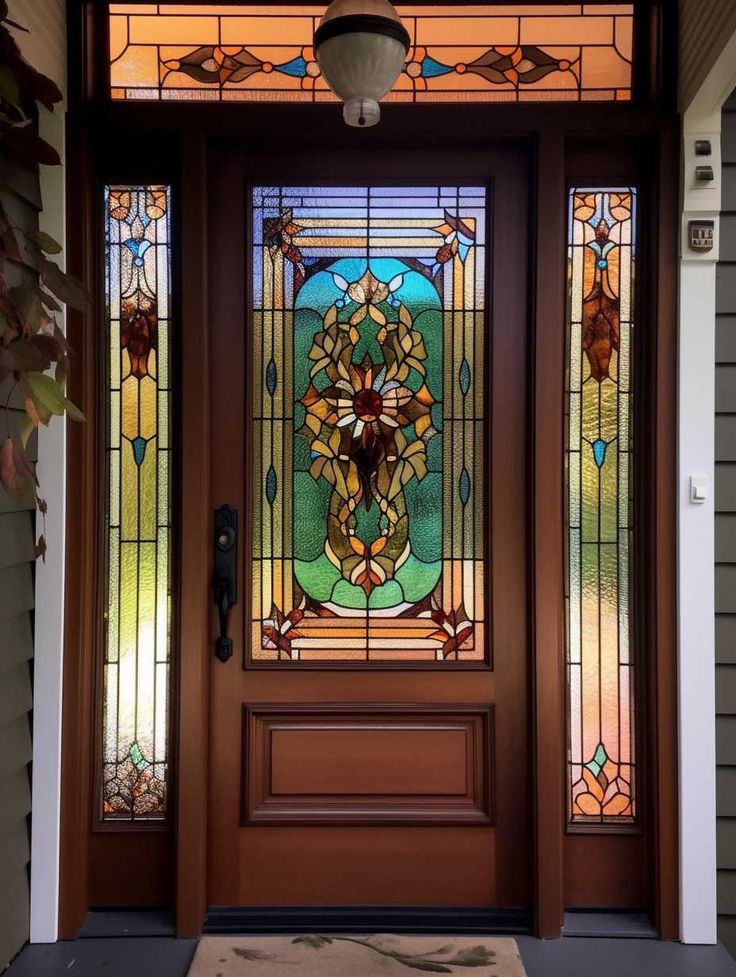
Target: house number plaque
701, 235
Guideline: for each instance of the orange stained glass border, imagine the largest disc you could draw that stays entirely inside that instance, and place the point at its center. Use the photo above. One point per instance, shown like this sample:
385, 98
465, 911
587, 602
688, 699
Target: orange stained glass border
244, 52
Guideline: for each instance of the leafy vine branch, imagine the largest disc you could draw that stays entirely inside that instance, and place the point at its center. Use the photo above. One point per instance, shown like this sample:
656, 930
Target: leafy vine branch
33, 288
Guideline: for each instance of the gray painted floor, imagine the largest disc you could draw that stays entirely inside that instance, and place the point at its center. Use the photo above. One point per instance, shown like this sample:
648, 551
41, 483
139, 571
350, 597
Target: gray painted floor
572, 957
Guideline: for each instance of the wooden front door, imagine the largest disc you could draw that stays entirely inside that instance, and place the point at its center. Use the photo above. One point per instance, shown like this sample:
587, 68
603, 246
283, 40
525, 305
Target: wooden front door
370, 735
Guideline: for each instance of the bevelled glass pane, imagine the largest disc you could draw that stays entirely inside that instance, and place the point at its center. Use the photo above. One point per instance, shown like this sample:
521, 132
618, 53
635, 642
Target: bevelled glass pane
136, 662
369, 424
601, 256
470, 53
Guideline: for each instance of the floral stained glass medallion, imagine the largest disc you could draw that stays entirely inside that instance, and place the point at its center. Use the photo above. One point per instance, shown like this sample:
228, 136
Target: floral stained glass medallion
464, 53
368, 424
600, 661
137, 652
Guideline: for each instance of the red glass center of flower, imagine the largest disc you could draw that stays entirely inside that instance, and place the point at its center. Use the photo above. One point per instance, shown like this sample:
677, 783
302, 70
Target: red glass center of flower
368, 405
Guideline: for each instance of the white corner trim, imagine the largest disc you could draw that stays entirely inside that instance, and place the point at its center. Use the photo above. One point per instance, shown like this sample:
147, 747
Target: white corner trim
696, 522
696, 610
49, 616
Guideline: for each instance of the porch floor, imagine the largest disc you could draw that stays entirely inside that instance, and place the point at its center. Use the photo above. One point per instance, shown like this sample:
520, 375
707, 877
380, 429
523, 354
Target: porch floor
570, 957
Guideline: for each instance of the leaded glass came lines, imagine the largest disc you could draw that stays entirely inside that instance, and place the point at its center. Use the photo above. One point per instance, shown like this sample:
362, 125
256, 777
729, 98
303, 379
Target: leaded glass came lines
368, 424
600, 663
244, 52
136, 664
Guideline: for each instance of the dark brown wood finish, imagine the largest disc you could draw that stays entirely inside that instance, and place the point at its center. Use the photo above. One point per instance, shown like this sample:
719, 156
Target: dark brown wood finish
547, 547
81, 515
133, 136
474, 875
662, 699
359, 764
195, 548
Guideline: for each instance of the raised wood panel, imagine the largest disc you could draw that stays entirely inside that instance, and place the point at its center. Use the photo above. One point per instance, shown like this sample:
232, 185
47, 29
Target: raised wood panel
598, 872
341, 764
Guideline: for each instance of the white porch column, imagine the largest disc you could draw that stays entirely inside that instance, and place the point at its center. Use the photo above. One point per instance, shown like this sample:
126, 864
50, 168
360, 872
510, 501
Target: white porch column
696, 527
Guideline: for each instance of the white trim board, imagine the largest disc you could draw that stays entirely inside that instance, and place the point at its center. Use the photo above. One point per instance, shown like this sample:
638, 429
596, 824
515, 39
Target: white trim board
695, 522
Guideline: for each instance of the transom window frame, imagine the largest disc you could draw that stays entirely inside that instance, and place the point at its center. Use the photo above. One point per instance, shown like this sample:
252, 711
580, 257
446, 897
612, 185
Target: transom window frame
458, 53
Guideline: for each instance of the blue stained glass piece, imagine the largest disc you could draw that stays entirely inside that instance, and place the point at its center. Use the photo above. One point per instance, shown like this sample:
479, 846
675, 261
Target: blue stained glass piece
599, 451
139, 450
271, 377
433, 69
297, 67
602, 263
271, 485
464, 376
464, 486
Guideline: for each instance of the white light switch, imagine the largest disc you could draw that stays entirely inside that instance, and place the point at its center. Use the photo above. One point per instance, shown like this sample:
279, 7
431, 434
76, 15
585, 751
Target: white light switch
698, 489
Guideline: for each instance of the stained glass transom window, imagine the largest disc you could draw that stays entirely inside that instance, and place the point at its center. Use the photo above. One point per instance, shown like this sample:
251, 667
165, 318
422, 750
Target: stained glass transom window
137, 654
368, 432
242, 52
600, 663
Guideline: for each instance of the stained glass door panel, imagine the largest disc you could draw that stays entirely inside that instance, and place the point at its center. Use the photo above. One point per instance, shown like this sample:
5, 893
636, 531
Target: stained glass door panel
369, 424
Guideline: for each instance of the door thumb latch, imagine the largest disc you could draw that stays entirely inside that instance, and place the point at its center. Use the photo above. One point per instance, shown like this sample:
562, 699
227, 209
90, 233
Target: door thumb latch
225, 577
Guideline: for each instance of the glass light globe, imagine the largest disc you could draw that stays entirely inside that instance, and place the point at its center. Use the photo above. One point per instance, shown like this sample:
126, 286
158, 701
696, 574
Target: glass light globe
361, 48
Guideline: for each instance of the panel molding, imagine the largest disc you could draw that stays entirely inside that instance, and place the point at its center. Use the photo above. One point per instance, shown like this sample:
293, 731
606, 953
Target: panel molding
269, 798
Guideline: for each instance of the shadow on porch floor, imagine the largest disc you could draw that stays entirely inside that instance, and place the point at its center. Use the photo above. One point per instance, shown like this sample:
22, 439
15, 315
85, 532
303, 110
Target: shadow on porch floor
572, 957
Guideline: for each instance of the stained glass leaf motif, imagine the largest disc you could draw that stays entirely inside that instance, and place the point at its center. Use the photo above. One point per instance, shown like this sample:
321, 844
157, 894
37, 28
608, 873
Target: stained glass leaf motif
135, 753
366, 448
600, 665
470, 53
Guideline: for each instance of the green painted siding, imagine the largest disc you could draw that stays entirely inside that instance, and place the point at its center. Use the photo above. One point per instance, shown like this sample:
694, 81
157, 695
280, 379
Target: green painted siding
17, 539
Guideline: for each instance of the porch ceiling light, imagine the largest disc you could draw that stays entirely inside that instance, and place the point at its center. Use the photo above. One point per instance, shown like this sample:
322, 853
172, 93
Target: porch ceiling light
361, 47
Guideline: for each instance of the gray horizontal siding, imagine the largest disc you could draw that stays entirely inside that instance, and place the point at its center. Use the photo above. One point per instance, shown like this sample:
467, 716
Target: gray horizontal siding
725, 540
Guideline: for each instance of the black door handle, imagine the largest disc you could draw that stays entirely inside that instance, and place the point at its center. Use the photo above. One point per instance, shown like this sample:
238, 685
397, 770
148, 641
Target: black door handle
225, 575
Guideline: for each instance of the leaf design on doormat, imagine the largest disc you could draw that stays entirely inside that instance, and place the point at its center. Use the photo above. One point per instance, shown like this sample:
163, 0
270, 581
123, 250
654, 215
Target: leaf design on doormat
247, 954
475, 956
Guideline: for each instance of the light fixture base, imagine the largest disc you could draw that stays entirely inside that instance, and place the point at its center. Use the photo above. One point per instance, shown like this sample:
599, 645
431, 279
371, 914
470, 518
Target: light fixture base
361, 112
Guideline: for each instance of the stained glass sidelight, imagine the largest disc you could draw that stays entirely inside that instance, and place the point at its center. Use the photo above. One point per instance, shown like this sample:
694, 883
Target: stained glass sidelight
600, 664
368, 430
137, 653
466, 53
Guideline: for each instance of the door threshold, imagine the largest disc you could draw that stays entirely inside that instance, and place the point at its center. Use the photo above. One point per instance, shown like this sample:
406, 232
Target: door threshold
366, 919
113, 923
610, 924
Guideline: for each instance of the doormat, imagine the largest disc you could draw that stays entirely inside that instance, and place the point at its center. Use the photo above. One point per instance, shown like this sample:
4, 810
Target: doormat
355, 956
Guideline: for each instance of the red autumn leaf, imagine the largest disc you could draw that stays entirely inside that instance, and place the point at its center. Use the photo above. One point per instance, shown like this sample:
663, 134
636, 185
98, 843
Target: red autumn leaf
15, 468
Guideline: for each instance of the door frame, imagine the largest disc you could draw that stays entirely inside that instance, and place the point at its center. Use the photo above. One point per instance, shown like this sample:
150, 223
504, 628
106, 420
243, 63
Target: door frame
177, 139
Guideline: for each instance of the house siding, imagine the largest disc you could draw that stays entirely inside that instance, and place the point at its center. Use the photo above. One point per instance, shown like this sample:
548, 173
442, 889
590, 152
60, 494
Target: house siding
725, 538
702, 38
17, 561
16, 653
